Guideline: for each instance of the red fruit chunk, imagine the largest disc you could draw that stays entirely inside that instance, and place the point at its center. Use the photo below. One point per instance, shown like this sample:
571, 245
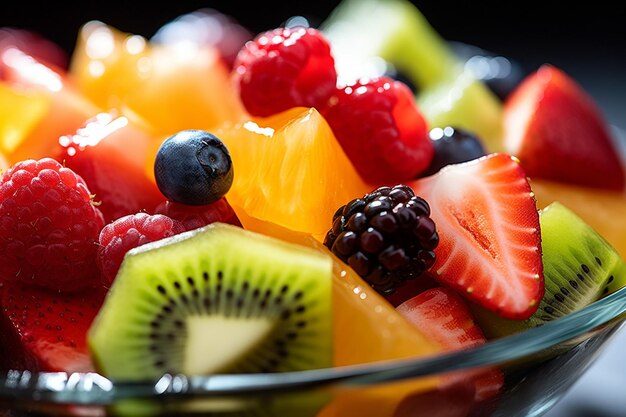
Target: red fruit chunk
42, 330
489, 238
33, 44
411, 288
66, 109
193, 217
127, 233
444, 315
381, 129
557, 131
108, 152
206, 27
48, 227
285, 68
452, 400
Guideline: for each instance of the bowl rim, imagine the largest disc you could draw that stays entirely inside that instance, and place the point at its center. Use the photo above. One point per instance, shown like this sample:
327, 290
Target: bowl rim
94, 389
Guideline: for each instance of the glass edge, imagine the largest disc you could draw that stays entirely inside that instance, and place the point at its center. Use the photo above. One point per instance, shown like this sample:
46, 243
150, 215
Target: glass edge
94, 389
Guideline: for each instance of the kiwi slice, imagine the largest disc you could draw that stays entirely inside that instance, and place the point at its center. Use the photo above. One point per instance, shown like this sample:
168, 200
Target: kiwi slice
218, 299
580, 267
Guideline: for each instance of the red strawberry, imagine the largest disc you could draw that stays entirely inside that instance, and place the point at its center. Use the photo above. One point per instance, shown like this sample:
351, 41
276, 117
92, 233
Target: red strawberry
105, 153
489, 238
444, 315
556, 130
285, 68
193, 217
381, 129
44, 330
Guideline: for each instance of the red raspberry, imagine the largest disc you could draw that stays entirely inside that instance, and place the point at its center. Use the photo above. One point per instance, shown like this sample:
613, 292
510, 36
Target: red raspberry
193, 217
48, 227
285, 68
381, 129
129, 232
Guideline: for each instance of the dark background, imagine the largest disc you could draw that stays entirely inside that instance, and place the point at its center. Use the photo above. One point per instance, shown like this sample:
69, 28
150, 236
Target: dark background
588, 40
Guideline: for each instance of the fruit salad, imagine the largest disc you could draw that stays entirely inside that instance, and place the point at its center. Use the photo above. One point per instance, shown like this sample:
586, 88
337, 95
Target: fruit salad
297, 199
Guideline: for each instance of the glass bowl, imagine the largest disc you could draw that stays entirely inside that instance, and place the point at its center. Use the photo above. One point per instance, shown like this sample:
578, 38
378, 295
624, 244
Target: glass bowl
539, 365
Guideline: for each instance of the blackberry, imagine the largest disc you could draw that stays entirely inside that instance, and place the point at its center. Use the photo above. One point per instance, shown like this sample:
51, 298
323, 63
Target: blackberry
387, 237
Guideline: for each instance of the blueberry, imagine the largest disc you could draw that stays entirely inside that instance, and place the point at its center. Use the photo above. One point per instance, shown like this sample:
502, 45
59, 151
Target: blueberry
193, 167
453, 146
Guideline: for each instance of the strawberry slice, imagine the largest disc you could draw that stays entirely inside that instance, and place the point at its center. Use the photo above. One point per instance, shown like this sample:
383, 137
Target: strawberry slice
444, 315
489, 238
557, 131
43, 330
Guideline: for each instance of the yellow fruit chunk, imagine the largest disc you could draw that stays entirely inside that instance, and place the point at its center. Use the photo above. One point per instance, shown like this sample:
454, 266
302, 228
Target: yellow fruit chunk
39, 104
366, 328
19, 113
290, 170
173, 87
604, 211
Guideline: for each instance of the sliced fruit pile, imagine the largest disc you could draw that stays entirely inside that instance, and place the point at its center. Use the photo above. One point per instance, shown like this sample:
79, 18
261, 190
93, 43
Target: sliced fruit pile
295, 199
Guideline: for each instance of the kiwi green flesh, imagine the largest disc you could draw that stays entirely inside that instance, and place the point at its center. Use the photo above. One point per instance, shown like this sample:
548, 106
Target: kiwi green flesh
218, 299
361, 32
580, 267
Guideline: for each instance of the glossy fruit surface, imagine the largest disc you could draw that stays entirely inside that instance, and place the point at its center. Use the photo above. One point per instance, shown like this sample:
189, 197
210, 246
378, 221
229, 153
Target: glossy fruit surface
275, 183
488, 224
557, 131
33, 44
603, 210
453, 146
193, 217
445, 316
43, 104
128, 232
381, 129
193, 167
45, 331
387, 237
118, 70
364, 31
206, 26
109, 152
49, 227
285, 68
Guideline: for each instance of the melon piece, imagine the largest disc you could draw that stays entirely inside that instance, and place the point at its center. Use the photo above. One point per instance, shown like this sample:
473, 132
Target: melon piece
173, 87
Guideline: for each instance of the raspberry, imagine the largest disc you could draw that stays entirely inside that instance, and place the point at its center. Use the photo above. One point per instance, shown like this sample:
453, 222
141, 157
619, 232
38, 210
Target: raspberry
48, 227
129, 232
387, 237
285, 68
381, 129
193, 217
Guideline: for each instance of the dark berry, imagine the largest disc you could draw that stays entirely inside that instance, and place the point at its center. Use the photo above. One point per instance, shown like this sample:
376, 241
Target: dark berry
452, 146
397, 74
501, 74
387, 237
193, 167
